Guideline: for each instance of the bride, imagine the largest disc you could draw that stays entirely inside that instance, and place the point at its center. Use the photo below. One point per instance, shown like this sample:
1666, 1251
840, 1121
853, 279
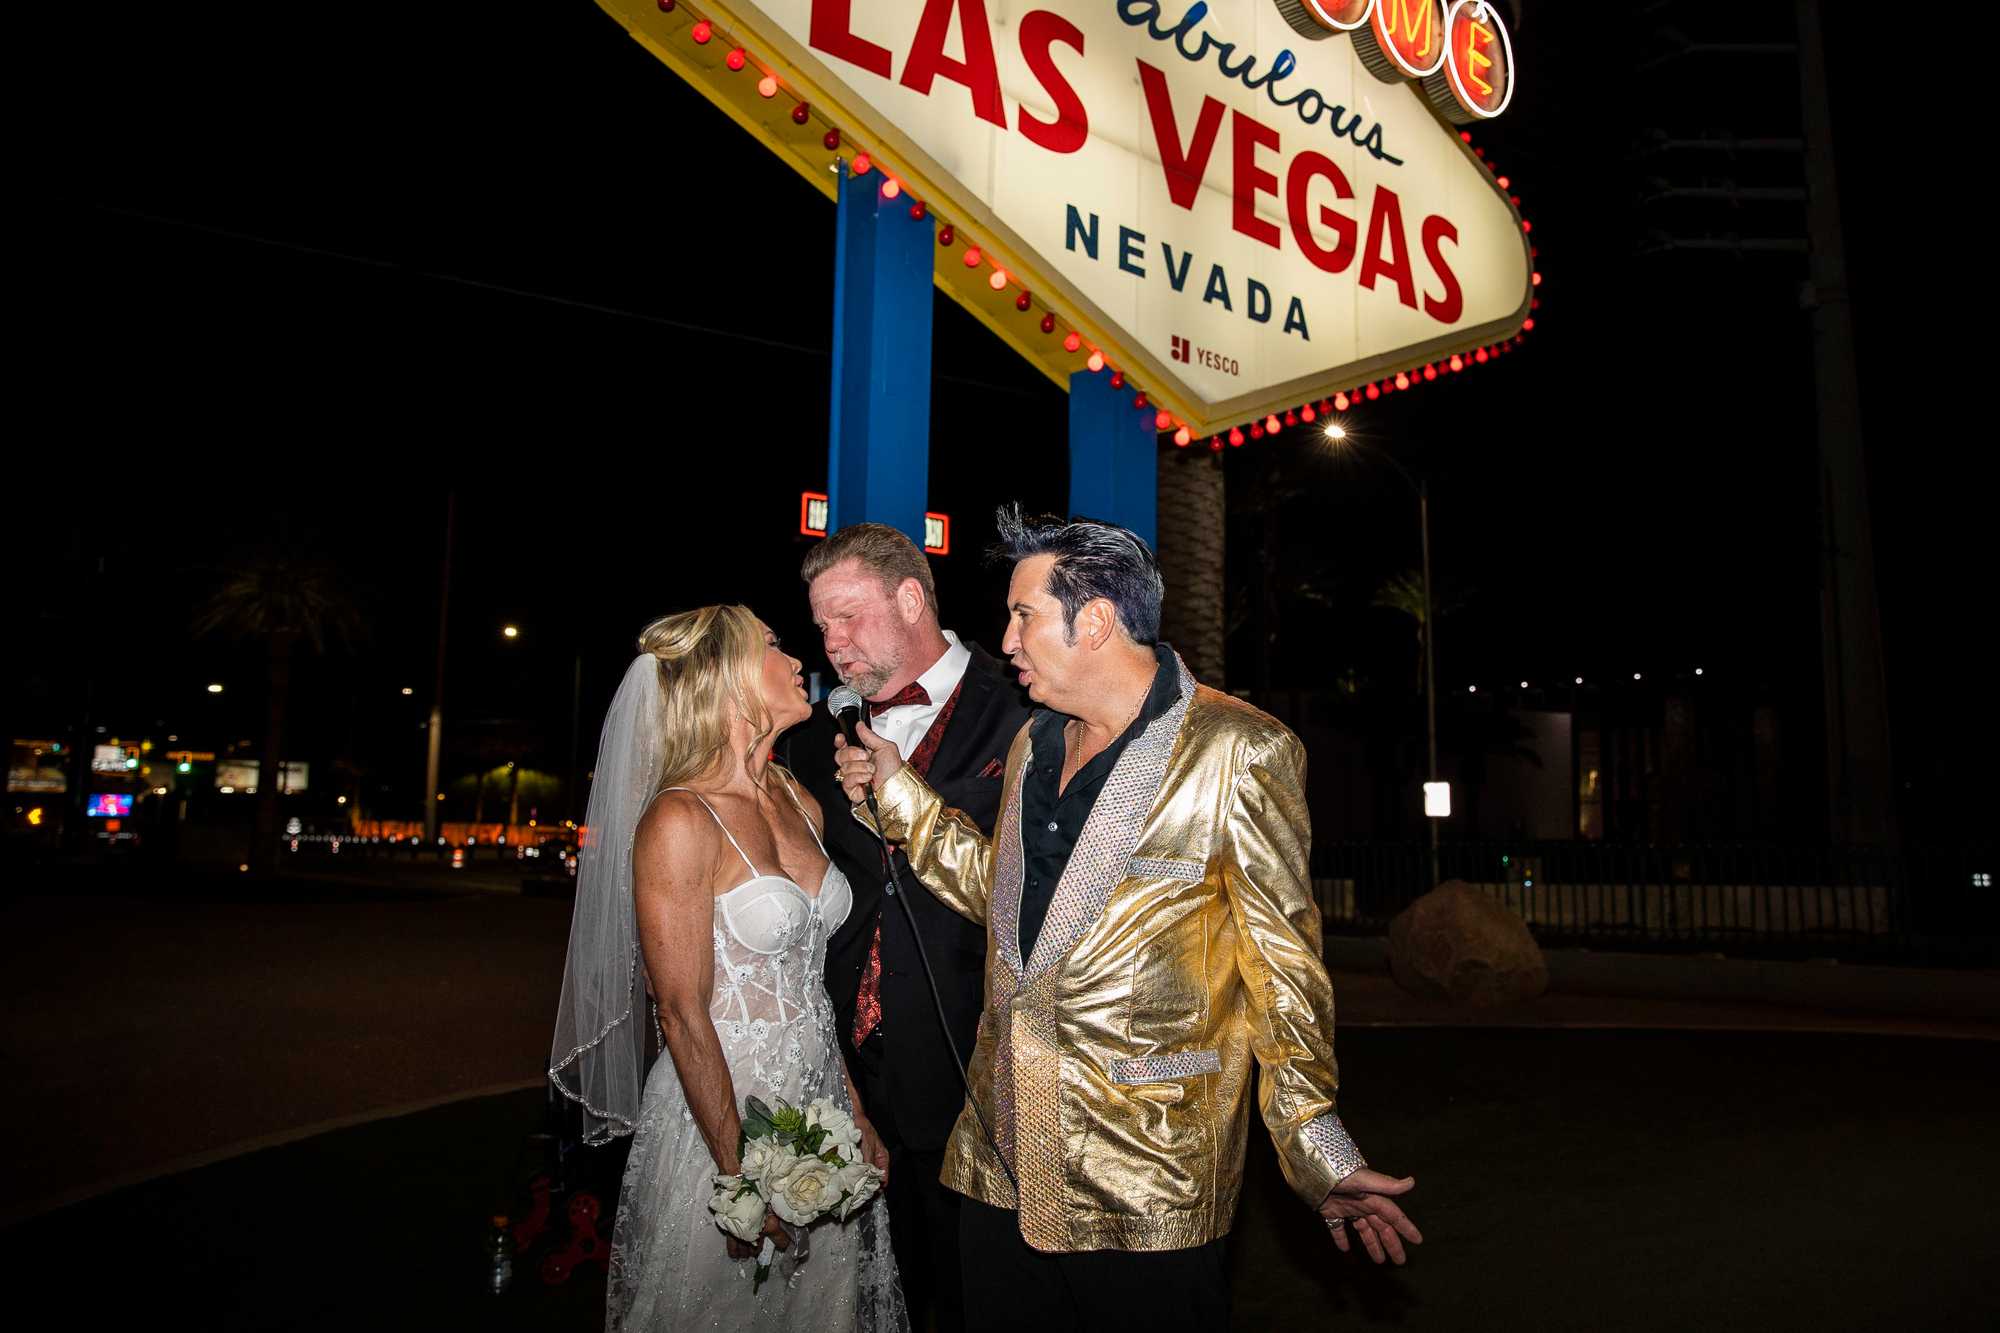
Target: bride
704, 901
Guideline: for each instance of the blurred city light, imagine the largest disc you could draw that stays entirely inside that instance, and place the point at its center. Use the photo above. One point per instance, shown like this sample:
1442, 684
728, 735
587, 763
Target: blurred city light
215, 689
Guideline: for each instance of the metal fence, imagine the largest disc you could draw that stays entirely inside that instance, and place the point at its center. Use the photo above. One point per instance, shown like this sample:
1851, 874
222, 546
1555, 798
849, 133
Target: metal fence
1851, 903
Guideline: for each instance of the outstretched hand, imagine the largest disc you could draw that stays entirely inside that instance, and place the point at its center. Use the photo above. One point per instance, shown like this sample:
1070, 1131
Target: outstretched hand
869, 764
1363, 1202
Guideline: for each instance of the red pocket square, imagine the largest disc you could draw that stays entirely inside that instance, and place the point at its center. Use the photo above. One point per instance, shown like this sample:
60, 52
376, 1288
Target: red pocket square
994, 768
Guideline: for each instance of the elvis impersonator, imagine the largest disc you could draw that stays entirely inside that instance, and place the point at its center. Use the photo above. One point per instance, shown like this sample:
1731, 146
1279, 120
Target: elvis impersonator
1150, 930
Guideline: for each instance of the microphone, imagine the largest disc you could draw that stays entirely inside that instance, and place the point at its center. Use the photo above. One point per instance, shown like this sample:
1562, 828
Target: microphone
845, 705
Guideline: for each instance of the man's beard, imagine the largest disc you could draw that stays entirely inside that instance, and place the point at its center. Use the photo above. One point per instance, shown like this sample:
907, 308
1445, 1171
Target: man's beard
868, 680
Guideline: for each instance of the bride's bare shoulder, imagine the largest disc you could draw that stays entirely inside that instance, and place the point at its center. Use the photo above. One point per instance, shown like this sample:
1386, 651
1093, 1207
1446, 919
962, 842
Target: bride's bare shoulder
677, 837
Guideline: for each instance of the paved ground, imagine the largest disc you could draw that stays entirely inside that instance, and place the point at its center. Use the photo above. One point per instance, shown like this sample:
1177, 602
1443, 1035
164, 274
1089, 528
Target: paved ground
1578, 1181
1693, 1176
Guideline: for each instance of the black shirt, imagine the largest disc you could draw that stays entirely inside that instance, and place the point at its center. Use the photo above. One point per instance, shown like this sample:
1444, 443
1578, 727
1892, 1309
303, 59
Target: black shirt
1051, 822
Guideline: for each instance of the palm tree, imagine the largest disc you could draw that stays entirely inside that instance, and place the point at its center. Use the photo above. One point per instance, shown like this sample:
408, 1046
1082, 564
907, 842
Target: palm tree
1192, 514
1404, 593
284, 597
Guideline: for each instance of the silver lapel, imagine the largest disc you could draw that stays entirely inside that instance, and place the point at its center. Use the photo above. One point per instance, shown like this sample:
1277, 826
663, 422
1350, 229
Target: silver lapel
1005, 902
1108, 837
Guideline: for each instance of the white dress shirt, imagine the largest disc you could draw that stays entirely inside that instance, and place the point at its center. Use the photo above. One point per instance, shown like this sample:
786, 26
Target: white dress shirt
907, 725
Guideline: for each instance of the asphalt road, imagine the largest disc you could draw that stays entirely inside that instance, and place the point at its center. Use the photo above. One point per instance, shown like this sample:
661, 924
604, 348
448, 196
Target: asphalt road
156, 1030
1677, 1172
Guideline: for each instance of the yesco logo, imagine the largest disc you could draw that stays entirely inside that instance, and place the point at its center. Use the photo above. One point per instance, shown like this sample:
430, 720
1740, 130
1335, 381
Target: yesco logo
1180, 348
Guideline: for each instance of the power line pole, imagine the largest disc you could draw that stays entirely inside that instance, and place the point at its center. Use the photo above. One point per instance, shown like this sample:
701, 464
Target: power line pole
1860, 789
436, 744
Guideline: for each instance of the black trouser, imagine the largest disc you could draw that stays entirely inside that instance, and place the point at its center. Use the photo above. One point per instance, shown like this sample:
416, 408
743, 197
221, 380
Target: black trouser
923, 1214
1011, 1287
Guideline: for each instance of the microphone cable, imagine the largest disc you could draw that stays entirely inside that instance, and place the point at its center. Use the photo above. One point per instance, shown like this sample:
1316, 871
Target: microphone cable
892, 887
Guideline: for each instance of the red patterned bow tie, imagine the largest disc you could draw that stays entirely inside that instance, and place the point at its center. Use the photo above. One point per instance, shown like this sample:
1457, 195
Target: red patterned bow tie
913, 693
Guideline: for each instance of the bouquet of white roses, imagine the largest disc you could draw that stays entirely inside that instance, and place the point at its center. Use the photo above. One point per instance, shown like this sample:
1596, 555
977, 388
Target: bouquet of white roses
802, 1165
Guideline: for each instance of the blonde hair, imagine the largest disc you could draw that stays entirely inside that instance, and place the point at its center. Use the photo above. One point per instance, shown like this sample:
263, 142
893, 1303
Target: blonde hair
709, 657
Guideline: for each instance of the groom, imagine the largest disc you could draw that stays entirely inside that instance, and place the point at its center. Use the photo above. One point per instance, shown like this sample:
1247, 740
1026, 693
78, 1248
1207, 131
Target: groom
949, 711
1152, 934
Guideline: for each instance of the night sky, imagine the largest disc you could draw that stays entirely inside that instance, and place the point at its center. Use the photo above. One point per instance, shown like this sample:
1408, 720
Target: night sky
301, 271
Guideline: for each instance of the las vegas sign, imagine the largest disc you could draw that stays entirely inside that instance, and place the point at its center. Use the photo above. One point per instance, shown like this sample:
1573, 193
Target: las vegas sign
1238, 205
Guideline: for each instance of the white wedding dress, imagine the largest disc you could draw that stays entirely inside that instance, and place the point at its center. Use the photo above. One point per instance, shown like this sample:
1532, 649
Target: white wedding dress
670, 1268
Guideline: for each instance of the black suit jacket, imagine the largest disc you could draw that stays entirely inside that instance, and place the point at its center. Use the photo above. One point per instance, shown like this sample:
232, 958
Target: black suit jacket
915, 1073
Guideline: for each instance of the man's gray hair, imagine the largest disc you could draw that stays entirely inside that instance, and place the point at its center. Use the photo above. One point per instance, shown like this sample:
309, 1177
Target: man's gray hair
1092, 560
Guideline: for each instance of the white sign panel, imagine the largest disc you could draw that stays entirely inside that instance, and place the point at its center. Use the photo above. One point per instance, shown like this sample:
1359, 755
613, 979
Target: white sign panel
1246, 217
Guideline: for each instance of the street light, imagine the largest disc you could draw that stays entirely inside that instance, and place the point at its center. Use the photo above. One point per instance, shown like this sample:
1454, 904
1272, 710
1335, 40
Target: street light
1338, 434
510, 631
215, 689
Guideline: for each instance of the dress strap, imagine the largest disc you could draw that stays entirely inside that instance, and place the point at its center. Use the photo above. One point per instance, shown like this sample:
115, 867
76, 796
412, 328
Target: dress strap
719, 824
790, 784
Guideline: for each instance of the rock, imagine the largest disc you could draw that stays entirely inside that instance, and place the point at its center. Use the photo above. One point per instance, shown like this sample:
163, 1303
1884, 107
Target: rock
1456, 943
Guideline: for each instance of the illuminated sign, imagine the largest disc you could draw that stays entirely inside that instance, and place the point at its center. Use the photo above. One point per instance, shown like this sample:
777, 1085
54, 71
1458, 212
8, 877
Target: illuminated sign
1236, 205
1402, 39
36, 766
1477, 81
1460, 49
113, 758
109, 805
812, 514
1437, 800
812, 523
239, 776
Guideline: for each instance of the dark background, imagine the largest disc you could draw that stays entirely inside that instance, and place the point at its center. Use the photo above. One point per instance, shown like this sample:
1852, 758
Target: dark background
295, 272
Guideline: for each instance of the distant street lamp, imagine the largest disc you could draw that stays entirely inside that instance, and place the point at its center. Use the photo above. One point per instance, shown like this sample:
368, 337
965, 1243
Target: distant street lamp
215, 689
510, 631
434, 733
1337, 433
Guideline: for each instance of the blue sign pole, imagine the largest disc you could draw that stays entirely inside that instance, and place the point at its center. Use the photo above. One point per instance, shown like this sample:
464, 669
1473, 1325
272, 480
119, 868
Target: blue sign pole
1113, 455
878, 453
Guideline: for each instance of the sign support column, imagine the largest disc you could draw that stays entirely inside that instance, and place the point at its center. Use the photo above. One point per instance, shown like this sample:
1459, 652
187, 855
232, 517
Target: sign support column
1113, 468
878, 450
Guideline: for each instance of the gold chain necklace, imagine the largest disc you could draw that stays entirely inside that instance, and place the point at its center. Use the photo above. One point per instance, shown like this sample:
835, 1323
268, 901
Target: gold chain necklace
1076, 736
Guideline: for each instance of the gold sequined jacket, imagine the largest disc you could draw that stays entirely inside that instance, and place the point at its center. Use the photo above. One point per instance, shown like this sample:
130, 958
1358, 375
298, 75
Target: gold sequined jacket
1113, 1064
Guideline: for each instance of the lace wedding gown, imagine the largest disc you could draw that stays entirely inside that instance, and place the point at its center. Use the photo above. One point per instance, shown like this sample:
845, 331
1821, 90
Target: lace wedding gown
670, 1269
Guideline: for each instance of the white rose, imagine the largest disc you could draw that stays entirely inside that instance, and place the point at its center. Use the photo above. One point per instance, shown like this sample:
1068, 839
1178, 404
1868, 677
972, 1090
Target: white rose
804, 1191
760, 1155
741, 1215
860, 1183
842, 1135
